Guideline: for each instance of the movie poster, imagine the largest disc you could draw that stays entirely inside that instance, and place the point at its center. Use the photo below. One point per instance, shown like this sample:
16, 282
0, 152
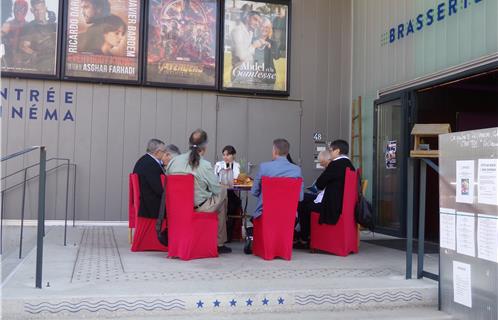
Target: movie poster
102, 39
29, 38
256, 46
181, 43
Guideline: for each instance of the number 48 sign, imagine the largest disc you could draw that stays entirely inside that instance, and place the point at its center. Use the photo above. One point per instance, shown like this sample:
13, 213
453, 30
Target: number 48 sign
317, 136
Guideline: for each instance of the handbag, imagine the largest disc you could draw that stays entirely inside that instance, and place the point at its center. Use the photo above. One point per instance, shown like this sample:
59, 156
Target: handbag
162, 235
363, 211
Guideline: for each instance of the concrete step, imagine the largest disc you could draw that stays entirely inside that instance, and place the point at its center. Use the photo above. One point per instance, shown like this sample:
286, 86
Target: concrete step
96, 276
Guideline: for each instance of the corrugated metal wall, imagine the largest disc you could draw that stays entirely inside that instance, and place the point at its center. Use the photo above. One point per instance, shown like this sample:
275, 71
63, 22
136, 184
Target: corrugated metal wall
113, 122
467, 35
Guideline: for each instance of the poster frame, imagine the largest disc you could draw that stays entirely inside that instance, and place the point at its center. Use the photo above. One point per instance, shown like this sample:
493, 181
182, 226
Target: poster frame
58, 58
173, 85
258, 92
97, 79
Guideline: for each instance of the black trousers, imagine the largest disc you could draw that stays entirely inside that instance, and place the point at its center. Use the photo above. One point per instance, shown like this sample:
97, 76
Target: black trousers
304, 210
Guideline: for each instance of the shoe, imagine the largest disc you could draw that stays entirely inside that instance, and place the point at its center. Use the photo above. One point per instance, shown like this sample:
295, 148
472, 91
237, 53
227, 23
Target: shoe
224, 249
248, 245
301, 245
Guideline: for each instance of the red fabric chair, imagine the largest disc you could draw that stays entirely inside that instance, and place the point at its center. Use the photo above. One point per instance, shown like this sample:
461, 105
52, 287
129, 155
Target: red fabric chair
191, 235
274, 229
342, 238
145, 236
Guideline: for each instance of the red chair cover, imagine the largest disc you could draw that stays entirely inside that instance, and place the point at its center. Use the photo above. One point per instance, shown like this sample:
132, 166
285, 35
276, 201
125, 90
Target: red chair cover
133, 199
274, 229
145, 236
342, 238
191, 235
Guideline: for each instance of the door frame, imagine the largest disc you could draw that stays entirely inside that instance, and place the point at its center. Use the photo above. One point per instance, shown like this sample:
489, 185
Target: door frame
405, 98
409, 102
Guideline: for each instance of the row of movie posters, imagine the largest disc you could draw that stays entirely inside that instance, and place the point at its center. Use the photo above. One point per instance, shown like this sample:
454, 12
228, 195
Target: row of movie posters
102, 42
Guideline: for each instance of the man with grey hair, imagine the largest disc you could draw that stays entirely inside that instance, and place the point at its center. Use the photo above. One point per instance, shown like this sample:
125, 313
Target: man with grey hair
149, 169
171, 152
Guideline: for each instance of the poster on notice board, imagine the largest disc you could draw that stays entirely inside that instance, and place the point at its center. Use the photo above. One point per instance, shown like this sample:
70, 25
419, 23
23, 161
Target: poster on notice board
103, 40
30, 33
182, 43
256, 46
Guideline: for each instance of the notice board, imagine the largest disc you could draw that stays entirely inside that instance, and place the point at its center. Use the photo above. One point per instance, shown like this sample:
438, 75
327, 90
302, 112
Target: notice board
468, 187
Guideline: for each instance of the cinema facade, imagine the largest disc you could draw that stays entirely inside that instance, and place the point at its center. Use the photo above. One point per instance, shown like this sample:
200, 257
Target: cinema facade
406, 61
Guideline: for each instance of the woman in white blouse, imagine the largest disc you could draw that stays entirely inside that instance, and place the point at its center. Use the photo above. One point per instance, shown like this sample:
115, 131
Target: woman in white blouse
234, 205
228, 161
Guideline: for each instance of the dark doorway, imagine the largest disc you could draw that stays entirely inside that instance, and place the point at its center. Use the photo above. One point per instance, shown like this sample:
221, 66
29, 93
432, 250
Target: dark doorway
466, 104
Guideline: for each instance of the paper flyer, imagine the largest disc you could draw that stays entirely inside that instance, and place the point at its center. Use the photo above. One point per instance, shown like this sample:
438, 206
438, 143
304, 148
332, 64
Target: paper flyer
462, 284
487, 178
447, 228
465, 235
465, 181
487, 237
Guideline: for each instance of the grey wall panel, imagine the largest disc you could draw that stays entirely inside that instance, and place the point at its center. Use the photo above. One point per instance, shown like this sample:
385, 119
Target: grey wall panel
98, 152
163, 115
233, 127
115, 179
16, 135
131, 144
179, 134
208, 121
148, 108
83, 140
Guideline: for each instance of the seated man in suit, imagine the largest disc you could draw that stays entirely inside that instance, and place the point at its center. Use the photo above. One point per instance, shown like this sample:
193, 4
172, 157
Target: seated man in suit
149, 169
331, 181
311, 202
278, 167
209, 195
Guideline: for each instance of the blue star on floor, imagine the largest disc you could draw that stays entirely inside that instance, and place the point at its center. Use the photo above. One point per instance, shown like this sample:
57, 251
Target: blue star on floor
281, 300
265, 301
249, 302
233, 303
216, 303
200, 304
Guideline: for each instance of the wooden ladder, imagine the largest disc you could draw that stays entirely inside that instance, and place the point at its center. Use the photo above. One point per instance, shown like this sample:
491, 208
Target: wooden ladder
356, 156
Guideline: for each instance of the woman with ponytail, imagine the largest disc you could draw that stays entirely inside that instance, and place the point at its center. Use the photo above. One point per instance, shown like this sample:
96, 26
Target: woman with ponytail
209, 195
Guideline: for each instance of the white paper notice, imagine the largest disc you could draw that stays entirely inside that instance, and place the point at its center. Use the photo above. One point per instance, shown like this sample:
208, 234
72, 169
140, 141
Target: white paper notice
465, 181
447, 226
487, 178
465, 227
487, 237
462, 286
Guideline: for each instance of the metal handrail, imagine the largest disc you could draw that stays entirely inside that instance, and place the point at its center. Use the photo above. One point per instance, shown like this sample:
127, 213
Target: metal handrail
32, 166
41, 208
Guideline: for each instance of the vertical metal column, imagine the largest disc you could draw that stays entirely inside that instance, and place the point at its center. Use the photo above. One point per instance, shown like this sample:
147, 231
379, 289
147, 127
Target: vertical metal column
421, 220
1, 221
22, 211
41, 217
409, 219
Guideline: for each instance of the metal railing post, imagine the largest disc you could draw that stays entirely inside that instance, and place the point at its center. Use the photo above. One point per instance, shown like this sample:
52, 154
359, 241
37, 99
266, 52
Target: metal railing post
409, 219
41, 217
421, 220
22, 211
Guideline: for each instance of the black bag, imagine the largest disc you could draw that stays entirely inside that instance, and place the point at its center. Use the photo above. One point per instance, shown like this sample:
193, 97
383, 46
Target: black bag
363, 211
162, 235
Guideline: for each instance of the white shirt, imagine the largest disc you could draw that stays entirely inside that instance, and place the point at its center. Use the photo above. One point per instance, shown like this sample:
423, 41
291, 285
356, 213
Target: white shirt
222, 165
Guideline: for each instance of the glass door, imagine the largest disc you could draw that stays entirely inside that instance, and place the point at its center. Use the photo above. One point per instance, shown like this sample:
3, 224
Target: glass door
390, 155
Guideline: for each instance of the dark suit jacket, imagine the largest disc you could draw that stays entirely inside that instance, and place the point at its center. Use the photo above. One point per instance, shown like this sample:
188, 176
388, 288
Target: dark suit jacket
332, 180
149, 173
